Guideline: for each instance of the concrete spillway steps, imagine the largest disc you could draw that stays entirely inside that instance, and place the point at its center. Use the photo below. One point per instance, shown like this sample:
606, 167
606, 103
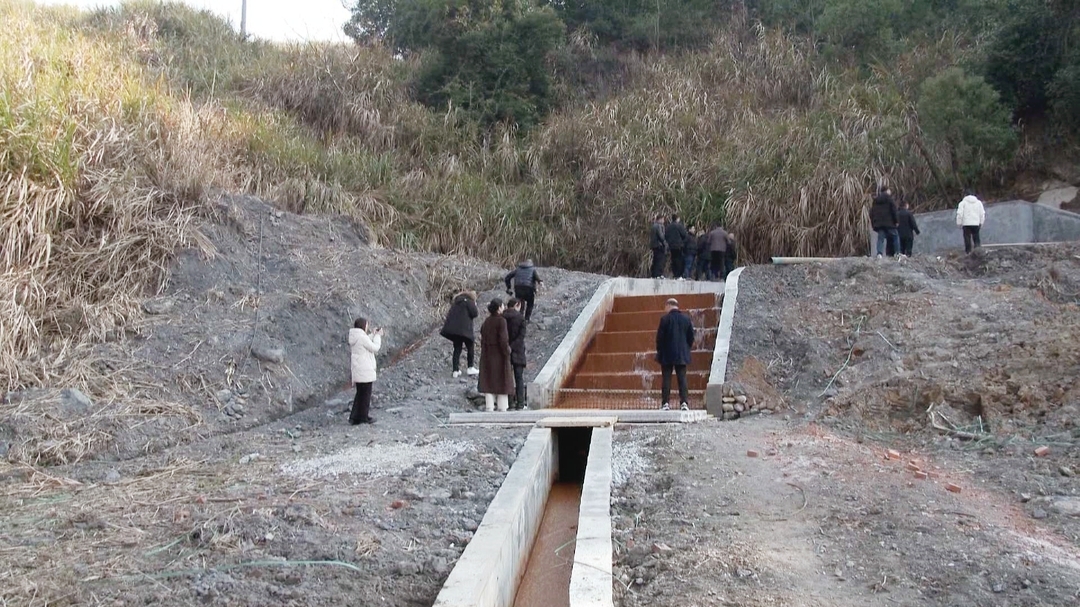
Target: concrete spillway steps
618, 369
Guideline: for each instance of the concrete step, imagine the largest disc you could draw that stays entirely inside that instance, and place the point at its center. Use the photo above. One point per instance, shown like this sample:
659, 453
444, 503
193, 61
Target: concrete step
702, 318
627, 362
649, 303
643, 341
616, 400
624, 416
696, 380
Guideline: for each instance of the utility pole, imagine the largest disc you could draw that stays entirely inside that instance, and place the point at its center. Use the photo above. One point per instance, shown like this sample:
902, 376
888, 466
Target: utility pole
243, 20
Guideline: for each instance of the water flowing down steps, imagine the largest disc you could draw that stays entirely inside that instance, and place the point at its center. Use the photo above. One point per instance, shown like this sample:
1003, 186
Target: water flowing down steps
618, 369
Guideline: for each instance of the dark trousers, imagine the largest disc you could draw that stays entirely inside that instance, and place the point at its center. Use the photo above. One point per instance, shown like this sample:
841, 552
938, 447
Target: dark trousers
665, 383
690, 265
702, 270
971, 238
729, 263
717, 267
658, 262
677, 263
361, 404
470, 345
519, 386
527, 295
906, 242
887, 237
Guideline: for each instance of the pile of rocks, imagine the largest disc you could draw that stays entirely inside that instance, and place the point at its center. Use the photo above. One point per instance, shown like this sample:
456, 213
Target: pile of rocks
737, 402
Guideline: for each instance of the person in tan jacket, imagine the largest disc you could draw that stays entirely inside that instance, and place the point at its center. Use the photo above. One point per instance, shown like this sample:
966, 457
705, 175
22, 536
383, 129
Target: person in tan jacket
364, 347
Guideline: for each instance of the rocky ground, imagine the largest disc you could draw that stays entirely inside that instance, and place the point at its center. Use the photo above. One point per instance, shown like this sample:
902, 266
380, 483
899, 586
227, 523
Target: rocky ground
964, 367
265, 495
242, 484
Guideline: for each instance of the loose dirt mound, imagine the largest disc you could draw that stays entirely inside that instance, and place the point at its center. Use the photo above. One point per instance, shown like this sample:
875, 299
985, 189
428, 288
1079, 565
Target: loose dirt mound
250, 332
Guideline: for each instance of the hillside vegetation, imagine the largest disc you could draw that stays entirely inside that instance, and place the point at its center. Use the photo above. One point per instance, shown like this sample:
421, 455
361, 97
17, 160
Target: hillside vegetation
497, 129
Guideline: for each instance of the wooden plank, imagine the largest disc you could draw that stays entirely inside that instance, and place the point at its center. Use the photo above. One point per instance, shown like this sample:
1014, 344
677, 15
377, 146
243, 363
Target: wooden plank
577, 422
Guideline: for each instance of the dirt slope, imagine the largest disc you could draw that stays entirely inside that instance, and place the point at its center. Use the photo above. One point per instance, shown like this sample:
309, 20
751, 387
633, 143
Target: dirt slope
862, 352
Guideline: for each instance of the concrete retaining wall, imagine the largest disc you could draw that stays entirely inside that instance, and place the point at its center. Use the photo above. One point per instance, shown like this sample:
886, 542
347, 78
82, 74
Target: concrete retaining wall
714, 391
590, 580
590, 322
488, 572
1011, 222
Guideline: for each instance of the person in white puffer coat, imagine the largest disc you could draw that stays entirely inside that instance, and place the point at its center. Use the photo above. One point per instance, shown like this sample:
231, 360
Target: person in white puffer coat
364, 348
970, 216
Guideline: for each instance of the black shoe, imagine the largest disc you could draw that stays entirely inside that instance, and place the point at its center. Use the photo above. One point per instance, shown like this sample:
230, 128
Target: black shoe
370, 420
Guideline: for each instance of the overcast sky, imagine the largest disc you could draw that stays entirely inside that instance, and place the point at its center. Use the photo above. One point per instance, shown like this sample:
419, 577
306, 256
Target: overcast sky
273, 19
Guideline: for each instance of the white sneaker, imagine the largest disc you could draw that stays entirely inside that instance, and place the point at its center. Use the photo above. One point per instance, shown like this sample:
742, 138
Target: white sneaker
665, 407
473, 371
879, 255
684, 407
457, 374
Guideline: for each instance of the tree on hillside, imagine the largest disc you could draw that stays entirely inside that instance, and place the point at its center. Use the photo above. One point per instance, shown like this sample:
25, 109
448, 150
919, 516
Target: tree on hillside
965, 114
645, 24
485, 57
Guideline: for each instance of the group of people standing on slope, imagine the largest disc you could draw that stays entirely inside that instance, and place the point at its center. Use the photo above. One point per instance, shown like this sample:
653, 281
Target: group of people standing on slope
501, 370
896, 226
696, 254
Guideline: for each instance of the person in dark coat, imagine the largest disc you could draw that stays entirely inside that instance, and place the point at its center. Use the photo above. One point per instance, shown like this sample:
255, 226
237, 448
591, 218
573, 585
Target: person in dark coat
885, 219
677, 239
496, 381
704, 258
658, 244
674, 340
458, 328
730, 255
525, 280
690, 253
907, 229
516, 329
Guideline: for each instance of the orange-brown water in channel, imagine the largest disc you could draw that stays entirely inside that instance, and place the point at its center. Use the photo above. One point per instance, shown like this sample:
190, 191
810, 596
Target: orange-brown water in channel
546, 582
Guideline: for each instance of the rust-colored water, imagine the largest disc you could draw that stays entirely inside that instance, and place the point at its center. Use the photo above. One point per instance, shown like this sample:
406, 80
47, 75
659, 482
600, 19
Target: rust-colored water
546, 582
618, 369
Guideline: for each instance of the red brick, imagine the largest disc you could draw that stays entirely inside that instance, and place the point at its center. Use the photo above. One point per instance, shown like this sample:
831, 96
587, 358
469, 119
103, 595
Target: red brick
934, 475
953, 488
913, 466
920, 475
890, 454
1042, 451
751, 453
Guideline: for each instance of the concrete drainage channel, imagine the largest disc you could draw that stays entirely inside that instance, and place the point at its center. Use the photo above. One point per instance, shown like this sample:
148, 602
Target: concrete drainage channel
545, 540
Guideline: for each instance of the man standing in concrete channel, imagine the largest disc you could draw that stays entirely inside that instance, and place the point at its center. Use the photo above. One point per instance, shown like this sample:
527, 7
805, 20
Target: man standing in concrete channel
884, 218
658, 244
907, 229
516, 330
674, 340
970, 216
677, 240
526, 281
718, 242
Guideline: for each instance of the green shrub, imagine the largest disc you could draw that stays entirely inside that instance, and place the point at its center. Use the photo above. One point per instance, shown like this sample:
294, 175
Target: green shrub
965, 115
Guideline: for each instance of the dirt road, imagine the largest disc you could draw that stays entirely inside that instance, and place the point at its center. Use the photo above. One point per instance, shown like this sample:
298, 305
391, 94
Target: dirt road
817, 519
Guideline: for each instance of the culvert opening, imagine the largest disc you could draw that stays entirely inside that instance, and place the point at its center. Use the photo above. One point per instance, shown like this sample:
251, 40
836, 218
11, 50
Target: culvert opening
546, 580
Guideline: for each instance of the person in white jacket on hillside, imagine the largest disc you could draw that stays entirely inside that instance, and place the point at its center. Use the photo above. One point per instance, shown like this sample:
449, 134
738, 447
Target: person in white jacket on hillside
970, 216
364, 348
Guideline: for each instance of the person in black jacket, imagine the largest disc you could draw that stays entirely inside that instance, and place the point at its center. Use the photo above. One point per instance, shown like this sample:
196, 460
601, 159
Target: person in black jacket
674, 340
677, 240
908, 229
884, 219
658, 245
458, 328
526, 280
516, 329
704, 255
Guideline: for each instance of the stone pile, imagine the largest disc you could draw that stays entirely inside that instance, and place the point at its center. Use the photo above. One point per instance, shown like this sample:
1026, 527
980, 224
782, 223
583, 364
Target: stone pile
737, 402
